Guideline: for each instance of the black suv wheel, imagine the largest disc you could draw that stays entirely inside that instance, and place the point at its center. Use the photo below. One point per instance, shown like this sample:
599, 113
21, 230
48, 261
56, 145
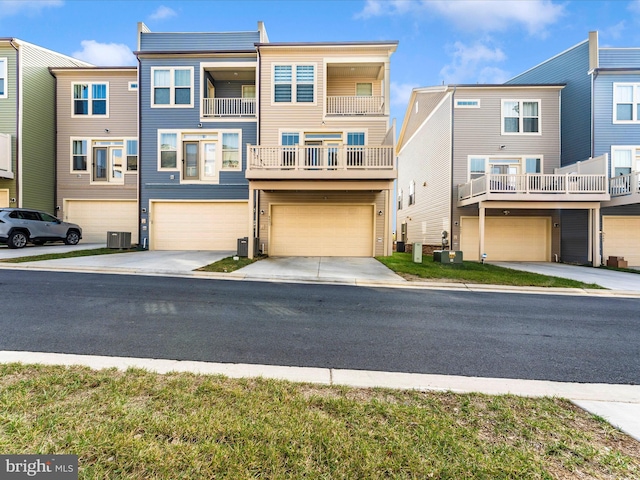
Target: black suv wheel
17, 239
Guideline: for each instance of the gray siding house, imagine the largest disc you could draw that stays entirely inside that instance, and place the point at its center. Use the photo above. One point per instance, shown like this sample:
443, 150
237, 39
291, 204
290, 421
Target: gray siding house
603, 87
480, 164
97, 149
27, 123
197, 108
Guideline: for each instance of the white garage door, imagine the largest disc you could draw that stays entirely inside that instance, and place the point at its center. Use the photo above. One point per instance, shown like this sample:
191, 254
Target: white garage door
97, 217
621, 238
198, 225
321, 230
508, 239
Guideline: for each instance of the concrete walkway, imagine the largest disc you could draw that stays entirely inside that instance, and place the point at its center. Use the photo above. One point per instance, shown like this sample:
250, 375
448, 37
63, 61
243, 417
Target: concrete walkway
619, 404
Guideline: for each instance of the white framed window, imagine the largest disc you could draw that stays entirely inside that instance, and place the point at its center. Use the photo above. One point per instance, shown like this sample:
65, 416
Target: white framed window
133, 86
4, 87
90, 99
503, 165
248, 91
231, 159
625, 159
521, 117
168, 151
626, 103
172, 87
467, 103
364, 89
294, 83
400, 198
412, 193
78, 155
132, 155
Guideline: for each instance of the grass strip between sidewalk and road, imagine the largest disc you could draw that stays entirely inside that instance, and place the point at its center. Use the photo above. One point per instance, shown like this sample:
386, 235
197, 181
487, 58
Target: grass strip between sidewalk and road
136, 424
473, 272
72, 254
228, 264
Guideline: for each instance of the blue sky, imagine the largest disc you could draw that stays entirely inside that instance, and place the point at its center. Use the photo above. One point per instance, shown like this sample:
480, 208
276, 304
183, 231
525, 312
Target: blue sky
450, 41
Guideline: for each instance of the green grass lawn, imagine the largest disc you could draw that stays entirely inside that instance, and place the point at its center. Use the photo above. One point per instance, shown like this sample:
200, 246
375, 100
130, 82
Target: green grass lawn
73, 254
472, 272
228, 264
141, 425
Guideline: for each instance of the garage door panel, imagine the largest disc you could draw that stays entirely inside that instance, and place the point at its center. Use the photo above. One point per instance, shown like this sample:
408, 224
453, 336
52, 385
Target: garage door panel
621, 238
97, 217
321, 230
198, 225
508, 239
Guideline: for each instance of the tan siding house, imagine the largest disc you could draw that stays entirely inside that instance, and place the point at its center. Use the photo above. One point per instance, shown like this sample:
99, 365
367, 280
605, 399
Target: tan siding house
480, 165
321, 178
97, 150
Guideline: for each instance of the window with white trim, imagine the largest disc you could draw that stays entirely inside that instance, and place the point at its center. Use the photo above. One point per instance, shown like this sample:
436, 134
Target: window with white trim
364, 89
400, 195
507, 165
626, 102
294, 83
107, 161
625, 159
520, 117
231, 152
477, 167
467, 103
3, 78
90, 99
133, 86
172, 87
79, 155
168, 151
412, 192
132, 155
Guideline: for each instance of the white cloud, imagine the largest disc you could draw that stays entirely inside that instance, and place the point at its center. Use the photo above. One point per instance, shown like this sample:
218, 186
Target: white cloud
475, 15
634, 6
26, 7
163, 13
105, 54
401, 92
616, 31
469, 65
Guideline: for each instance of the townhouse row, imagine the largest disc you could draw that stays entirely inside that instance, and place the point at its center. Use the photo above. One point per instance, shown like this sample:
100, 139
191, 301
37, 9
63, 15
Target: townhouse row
541, 168
212, 138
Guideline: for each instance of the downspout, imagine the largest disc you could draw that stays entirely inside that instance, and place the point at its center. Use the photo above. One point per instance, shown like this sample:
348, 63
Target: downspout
55, 146
257, 200
18, 172
451, 206
140, 232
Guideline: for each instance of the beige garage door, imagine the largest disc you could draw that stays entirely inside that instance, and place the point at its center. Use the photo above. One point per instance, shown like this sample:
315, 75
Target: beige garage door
525, 239
198, 225
621, 238
321, 230
97, 217
4, 198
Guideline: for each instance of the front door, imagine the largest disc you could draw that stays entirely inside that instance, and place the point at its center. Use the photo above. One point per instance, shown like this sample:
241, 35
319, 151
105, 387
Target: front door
191, 160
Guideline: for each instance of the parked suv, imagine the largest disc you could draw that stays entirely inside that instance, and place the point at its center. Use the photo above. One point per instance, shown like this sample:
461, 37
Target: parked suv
19, 226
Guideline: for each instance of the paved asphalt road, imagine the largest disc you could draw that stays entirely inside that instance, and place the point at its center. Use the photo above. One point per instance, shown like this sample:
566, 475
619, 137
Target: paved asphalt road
562, 338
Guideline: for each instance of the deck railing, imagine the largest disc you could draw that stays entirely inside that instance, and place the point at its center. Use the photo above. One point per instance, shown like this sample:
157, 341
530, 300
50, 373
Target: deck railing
533, 183
355, 105
229, 107
625, 184
345, 157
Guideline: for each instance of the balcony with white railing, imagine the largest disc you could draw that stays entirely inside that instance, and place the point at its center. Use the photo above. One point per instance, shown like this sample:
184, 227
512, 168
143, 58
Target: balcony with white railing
624, 189
534, 187
355, 105
229, 107
321, 162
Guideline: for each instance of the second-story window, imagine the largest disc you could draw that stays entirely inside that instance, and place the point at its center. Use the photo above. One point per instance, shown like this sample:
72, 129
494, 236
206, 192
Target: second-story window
90, 99
412, 192
132, 155
172, 87
626, 102
3, 78
294, 84
79, 163
520, 117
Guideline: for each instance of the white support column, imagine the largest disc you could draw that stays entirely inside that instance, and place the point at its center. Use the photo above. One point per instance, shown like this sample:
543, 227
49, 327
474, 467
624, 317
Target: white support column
388, 202
597, 258
591, 238
387, 88
481, 215
252, 216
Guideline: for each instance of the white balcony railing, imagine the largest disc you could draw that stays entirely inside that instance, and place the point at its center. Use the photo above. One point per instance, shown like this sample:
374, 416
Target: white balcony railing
343, 157
625, 184
228, 107
355, 105
534, 183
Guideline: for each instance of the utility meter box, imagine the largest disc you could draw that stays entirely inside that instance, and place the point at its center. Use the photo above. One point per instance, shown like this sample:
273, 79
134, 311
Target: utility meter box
417, 253
450, 256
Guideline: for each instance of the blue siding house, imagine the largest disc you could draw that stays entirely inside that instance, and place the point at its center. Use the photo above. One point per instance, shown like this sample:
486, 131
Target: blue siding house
197, 109
600, 115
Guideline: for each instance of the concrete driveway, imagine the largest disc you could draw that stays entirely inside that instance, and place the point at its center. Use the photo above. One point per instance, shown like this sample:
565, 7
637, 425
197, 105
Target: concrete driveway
611, 279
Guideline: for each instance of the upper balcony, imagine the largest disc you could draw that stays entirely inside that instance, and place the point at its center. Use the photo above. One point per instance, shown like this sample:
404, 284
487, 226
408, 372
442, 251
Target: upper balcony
580, 182
625, 190
341, 162
357, 89
229, 92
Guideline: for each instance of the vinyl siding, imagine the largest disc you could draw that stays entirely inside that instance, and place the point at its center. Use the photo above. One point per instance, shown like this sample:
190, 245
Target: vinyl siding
426, 160
122, 123
619, 57
326, 197
192, 42
8, 114
346, 86
570, 68
415, 116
